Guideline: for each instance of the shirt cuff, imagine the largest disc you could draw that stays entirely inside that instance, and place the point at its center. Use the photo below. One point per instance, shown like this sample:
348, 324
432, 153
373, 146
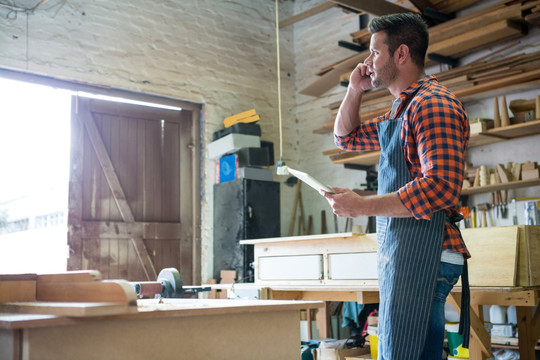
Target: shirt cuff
415, 201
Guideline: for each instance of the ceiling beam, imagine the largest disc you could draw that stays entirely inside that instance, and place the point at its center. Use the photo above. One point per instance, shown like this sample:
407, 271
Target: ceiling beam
374, 7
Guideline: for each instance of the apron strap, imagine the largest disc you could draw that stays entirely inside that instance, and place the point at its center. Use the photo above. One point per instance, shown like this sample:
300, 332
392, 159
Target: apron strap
465, 316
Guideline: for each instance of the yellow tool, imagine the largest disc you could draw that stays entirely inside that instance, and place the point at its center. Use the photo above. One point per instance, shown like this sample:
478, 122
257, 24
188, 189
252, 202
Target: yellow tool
248, 116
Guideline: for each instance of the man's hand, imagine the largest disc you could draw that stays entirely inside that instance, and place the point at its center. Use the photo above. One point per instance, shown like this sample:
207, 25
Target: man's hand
361, 78
347, 203
348, 117
344, 202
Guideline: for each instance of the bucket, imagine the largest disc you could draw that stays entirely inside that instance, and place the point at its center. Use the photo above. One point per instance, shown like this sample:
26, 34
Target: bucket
373, 341
455, 340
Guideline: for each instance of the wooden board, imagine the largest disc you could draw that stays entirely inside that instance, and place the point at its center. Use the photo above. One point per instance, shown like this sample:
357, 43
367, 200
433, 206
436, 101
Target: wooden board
20, 287
493, 255
118, 291
533, 243
218, 329
78, 309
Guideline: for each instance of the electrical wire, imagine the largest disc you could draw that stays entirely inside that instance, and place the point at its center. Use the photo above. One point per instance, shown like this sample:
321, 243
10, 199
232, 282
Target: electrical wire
279, 85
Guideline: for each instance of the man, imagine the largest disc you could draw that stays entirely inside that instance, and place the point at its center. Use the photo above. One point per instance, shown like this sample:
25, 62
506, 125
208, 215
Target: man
423, 141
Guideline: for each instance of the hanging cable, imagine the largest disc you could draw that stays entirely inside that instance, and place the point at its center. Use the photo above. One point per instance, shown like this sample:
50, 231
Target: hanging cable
281, 168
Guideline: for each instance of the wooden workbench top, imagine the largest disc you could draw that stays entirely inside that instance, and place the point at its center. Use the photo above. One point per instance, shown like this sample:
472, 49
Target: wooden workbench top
153, 308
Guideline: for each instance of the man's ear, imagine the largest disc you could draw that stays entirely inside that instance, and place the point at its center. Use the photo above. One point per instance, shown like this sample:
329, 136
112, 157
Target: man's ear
402, 53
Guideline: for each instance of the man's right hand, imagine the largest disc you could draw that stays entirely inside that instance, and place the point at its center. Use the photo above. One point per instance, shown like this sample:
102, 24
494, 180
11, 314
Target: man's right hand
360, 78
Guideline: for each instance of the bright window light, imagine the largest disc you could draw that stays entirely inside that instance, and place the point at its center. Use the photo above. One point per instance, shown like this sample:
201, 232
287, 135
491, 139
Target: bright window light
34, 158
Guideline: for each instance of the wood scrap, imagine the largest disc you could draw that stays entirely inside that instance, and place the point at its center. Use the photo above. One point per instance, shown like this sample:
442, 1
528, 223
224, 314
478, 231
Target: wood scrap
504, 175
505, 119
496, 113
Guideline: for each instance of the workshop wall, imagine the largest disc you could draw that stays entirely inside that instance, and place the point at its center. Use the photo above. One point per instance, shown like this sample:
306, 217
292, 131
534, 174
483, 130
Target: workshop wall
315, 41
221, 54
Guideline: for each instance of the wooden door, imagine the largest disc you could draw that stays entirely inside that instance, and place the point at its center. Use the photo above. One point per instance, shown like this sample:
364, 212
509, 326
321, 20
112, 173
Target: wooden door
134, 204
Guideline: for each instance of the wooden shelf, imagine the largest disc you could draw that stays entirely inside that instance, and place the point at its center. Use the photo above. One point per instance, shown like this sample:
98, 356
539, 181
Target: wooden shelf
508, 343
508, 132
490, 136
497, 187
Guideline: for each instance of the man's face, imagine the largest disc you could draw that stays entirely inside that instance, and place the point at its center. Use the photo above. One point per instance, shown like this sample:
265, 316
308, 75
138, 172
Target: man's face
381, 65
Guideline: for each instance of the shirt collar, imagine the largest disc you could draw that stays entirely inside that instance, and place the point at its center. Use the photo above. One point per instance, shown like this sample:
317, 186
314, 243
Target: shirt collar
408, 92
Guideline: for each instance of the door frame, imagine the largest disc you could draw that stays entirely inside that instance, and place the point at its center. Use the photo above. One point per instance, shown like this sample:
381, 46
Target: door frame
195, 115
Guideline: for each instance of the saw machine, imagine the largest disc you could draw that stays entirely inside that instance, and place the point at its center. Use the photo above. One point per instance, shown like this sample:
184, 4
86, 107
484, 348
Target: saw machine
84, 293
168, 285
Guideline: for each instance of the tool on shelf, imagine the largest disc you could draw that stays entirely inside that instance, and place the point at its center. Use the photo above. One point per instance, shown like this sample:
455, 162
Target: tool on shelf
484, 207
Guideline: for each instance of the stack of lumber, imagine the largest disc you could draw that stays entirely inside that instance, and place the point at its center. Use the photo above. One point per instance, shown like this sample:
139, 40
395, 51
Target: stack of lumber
74, 293
466, 82
534, 17
501, 22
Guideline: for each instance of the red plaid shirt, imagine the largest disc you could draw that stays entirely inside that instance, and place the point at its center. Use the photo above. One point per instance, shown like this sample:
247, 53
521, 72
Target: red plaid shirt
434, 136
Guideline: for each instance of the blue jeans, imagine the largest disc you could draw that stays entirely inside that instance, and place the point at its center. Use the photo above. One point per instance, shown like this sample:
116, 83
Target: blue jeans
446, 279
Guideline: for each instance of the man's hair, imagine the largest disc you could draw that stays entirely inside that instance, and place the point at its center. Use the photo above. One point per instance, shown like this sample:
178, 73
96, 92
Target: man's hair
405, 28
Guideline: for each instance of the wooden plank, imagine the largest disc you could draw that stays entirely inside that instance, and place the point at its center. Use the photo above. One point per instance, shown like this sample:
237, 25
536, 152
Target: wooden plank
188, 201
308, 13
506, 298
493, 251
253, 333
75, 200
535, 326
365, 158
20, 287
313, 295
117, 291
80, 309
70, 276
526, 343
107, 166
496, 187
522, 273
374, 7
533, 252
481, 37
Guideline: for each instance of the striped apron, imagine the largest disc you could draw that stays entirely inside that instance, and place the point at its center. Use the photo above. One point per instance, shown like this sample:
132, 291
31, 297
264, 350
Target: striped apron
409, 253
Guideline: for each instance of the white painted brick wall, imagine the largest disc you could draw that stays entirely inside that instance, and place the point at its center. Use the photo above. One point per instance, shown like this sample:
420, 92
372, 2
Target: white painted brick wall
215, 52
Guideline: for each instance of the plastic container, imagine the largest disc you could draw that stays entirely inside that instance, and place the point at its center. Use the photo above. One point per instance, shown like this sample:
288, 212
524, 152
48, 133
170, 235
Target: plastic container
497, 314
455, 341
373, 341
511, 315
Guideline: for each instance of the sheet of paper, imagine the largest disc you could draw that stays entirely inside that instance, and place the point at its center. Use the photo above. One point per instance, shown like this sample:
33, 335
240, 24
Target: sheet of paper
311, 181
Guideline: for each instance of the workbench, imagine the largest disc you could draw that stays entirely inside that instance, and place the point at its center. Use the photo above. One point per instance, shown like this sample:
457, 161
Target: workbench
194, 328
503, 270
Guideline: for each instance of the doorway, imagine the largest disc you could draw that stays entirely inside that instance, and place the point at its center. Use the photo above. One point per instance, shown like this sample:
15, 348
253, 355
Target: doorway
107, 220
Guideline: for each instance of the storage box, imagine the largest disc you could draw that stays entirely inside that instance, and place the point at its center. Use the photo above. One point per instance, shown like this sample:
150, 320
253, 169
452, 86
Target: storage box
232, 143
240, 128
228, 168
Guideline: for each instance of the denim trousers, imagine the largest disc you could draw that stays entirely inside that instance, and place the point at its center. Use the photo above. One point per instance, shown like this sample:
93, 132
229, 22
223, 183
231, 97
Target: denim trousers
446, 279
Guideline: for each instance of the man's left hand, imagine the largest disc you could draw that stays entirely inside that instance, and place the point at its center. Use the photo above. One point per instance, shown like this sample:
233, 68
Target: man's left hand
344, 202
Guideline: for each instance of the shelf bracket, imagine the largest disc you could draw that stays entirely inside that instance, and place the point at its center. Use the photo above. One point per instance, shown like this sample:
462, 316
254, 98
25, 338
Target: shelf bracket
443, 59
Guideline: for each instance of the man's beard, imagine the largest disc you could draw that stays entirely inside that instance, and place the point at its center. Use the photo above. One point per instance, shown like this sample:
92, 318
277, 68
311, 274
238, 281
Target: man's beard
386, 75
